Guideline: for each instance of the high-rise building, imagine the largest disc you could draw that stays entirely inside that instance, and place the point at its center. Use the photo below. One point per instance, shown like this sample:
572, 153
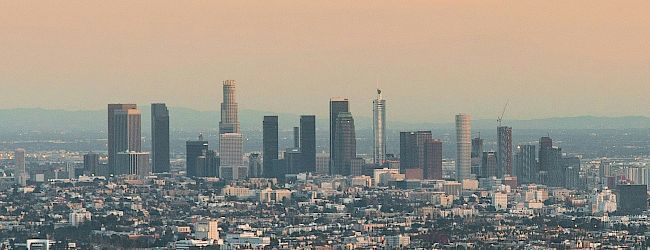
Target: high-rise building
379, 129
270, 146
254, 165
556, 169
322, 163
293, 161
571, 167
128, 135
308, 142
337, 105
477, 155
545, 147
632, 199
229, 109
21, 173
432, 159
296, 137
91, 163
231, 149
504, 151
159, 138
193, 161
132, 163
356, 166
463, 147
525, 166
489, 165
412, 153
345, 145
112, 146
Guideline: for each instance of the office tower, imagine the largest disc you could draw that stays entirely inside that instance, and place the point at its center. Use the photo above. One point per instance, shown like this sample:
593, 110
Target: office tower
356, 166
545, 147
556, 170
463, 147
322, 163
270, 149
379, 129
433, 159
489, 165
231, 149
571, 168
233, 172
133, 163
254, 165
308, 142
229, 120
112, 146
477, 155
91, 163
207, 229
345, 144
159, 138
632, 199
296, 137
127, 135
337, 105
525, 166
412, 153
195, 150
213, 161
293, 161
20, 173
504, 151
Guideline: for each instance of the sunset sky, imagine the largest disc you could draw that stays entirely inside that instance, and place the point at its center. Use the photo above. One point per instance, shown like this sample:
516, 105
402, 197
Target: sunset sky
433, 59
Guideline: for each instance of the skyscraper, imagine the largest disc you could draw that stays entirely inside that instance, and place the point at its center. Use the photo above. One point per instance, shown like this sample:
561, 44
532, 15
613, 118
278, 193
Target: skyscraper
525, 165
379, 129
127, 134
463, 147
337, 105
229, 109
489, 165
632, 199
432, 159
545, 159
194, 150
270, 149
345, 145
477, 155
21, 173
412, 153
112, 146
133, 163
159, 138
296, 137
91, 163
231, 150
254, 165
308, 142
504, 151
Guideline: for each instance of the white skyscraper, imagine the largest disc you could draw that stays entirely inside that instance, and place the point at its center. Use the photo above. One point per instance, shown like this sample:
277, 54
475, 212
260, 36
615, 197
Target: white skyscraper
379, 129
463, 147
229, 109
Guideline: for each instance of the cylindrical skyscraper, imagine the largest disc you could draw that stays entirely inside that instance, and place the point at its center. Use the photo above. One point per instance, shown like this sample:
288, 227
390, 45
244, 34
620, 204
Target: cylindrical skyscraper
379, 129
463, 147
229, 120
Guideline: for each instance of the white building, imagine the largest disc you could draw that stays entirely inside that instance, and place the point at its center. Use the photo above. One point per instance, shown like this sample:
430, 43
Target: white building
79, 216
379, 129
500, 200
603, 202
463, 147
397, 241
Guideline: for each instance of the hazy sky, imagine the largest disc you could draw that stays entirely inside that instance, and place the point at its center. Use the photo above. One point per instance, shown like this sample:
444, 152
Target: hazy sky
432, 58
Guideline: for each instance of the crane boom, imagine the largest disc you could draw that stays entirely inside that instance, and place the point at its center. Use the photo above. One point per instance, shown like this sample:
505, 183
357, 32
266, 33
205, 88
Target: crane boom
503, 112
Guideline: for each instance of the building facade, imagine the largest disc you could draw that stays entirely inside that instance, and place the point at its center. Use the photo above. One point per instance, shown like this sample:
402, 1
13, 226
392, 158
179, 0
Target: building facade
463, 147
159, 138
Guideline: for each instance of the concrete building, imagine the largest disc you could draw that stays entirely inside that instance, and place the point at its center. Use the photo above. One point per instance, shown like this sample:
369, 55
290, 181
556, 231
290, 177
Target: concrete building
112, 145
231, 149
308, 143
270, 148
229, 109
463, 147
91, 163
132, 163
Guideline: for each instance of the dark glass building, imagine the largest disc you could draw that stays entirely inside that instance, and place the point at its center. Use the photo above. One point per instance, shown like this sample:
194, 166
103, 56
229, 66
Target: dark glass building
525, 166
504, 151
112, 144
91, 163
269, 145
489, 164
196, 152
159, 138
337, 106
632, 199
433, 159
345, 145
308, 142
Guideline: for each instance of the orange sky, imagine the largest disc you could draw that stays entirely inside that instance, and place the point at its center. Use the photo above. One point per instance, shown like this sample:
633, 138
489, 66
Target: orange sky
432, 58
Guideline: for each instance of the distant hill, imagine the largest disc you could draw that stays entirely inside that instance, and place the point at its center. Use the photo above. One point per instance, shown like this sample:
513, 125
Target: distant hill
184, 119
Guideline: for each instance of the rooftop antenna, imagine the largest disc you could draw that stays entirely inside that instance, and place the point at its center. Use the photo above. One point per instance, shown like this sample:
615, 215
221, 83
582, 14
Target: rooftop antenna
502, 113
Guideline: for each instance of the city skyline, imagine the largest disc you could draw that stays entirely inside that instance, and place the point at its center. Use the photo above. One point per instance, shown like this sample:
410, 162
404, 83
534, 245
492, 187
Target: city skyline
490, 52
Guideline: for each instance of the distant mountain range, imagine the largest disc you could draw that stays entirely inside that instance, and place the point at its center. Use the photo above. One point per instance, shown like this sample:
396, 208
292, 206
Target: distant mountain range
189, 120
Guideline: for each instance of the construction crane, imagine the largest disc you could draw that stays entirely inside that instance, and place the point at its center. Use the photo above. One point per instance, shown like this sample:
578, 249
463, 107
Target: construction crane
502, 113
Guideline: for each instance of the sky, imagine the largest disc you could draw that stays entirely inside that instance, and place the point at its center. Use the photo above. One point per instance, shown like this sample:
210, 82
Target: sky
432, 59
